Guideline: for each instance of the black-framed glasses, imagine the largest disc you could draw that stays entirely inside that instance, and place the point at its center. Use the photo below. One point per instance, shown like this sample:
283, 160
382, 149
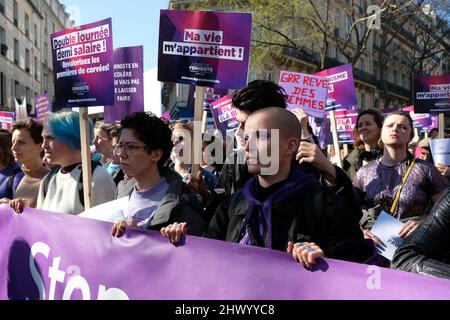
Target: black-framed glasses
128, 148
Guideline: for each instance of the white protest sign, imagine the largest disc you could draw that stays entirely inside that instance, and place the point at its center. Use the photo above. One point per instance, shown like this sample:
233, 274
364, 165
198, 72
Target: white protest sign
111, 211
305, 91
386, 228
440, 149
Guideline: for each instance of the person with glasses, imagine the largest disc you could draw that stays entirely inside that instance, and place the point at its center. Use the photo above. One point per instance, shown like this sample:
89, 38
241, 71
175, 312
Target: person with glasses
159, 196
60, 190
10, 172
397, 175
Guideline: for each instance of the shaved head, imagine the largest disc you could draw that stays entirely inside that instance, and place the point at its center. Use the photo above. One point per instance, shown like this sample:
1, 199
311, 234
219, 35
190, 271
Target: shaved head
277, 118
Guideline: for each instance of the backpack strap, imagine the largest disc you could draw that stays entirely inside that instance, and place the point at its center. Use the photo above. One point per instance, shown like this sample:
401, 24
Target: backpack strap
10, 184
46, 181
94, 165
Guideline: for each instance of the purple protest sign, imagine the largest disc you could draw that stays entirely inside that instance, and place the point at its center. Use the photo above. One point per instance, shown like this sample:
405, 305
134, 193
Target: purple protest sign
305, 91
341, 86
6, 120
52, 256
204, 48
345, 124
83, 65
210, 95
224, 114
43, 106
432, 94
420, 120
128, 83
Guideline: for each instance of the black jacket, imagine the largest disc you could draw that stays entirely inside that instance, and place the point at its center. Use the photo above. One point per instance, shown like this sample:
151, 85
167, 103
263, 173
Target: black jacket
427, 250
317, 215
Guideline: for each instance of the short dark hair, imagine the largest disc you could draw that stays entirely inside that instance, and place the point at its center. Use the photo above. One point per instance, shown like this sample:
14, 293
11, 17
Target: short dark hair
151, 130
32, 126
260, 94
407, 116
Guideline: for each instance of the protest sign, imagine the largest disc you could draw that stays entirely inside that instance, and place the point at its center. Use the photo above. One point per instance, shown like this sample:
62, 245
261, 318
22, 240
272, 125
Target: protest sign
341, 86
305, 91
345, 124
211, 95
204, 48
83, 65
387, 228
420, 120
52, 256
43, 106
440, 149
432, 94
6, 120
224, 114
128, 83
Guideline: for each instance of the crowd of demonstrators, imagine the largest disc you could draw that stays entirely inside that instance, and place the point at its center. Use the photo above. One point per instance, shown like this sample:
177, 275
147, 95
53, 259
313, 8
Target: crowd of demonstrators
297, 202
62, 188
368, 145
288, 209
159, 196
397, 183
10, 172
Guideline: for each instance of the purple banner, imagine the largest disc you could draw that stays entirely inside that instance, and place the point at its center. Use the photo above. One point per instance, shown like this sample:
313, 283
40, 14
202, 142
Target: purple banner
341, 89
224, 114
128, 83
432, 94
204, 48
43, 106
53, 256
6, 120
83, 65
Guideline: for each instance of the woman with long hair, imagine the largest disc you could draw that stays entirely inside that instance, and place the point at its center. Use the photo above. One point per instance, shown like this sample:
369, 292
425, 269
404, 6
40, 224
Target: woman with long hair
368, 145
396, 182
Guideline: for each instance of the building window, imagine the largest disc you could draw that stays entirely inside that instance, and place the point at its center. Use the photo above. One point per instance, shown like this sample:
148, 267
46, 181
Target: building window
27, 26
4, 47
16, 14
45, 82
46, 54
347, 24
45, 23
2, 89
363, 100
36, 68
16, 52
27, 61
395, 77
36, 36
2, 6
363, 64
17, 92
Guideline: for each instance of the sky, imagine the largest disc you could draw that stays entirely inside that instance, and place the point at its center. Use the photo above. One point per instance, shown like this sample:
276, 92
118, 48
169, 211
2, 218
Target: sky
135, 22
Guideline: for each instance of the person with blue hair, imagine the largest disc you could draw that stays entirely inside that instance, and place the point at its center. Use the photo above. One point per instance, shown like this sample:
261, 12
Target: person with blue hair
61, 190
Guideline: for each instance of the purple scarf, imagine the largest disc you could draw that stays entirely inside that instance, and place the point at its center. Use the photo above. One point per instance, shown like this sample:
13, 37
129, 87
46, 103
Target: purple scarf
261, 213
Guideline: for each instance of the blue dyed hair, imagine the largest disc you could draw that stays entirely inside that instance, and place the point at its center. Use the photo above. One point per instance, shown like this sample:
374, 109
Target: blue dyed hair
65, 127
